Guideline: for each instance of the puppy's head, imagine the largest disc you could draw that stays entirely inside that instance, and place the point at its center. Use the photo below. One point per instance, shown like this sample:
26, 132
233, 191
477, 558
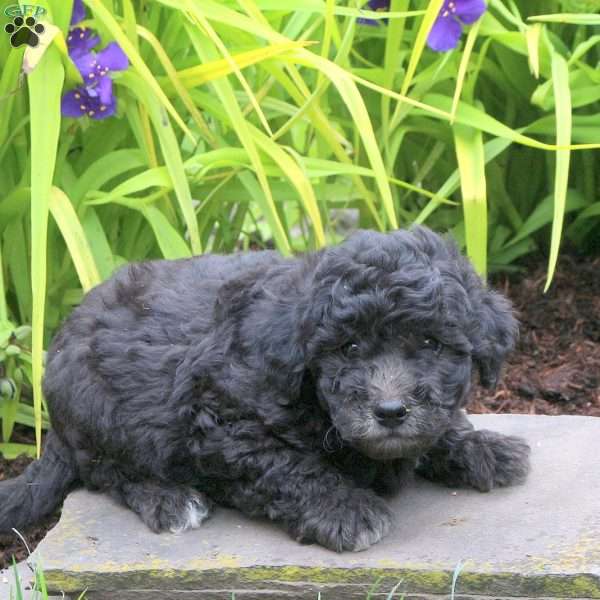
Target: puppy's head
398, 322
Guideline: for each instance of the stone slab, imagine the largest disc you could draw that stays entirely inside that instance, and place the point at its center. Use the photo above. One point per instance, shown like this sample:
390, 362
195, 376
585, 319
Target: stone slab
539, 540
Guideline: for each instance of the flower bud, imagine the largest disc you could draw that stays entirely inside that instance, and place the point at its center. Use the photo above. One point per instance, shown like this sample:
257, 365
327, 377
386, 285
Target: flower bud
7, 388
12, 350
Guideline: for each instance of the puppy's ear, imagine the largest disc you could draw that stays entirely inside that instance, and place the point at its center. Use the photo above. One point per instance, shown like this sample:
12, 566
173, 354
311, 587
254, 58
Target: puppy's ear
491, 328
495, 333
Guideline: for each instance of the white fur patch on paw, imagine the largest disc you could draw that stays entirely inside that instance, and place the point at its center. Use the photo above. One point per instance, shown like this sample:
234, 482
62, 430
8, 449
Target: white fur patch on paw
195, 513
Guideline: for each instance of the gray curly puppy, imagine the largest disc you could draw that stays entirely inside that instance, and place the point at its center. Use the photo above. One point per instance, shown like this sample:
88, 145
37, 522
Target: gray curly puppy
302, 389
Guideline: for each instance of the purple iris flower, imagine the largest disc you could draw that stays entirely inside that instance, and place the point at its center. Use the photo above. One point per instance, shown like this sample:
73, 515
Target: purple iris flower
97, 102
93, 65
446, 30
78, 13
95, 98
376, 5
80, 41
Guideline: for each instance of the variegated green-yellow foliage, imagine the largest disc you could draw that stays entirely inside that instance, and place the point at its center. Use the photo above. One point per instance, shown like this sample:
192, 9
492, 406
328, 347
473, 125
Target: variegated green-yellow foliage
245, 123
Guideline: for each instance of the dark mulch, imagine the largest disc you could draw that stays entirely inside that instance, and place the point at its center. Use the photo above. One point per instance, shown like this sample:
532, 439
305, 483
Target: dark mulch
555, 369
10, 544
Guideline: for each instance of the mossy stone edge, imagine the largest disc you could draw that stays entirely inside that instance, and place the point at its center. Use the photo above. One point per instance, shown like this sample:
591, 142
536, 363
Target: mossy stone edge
334, 580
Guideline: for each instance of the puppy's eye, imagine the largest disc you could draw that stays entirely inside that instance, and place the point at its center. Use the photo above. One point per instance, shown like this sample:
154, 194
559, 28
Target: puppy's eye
351, 350
432, 344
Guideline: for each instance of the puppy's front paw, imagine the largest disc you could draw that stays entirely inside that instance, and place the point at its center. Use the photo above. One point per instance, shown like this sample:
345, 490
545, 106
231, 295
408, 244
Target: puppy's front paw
350, 520
491, 459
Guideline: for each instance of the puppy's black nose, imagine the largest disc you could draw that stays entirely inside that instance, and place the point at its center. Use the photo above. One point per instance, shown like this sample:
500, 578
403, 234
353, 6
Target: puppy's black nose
390, 413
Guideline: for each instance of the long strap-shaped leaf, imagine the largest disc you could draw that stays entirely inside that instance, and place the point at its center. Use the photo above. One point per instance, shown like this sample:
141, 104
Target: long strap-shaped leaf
10, 451
475, 117
215, 69
357, 108
226, 95
45, 86
173, 77
8, 83
105, 168
393, 40
562, 98
341, 78
104, 15
222, 48
66, 218
471, 164
573, 18
171, 153
3, 308
426, 24
464, 63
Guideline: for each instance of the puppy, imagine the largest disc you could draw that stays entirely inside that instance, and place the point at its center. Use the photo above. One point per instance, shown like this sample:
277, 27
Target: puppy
299, 389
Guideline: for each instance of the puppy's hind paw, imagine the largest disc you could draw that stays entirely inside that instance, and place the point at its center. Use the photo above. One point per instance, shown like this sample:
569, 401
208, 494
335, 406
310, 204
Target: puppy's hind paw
162, 508
196, 511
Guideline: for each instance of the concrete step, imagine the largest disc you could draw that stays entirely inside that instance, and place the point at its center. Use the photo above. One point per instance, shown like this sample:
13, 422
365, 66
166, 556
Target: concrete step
539, 540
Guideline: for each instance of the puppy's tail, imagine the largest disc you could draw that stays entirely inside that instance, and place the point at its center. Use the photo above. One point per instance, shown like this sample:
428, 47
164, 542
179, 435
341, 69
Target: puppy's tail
39, 489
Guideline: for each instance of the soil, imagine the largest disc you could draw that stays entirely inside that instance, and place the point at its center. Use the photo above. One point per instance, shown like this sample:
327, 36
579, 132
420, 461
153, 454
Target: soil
555, 369
11, 544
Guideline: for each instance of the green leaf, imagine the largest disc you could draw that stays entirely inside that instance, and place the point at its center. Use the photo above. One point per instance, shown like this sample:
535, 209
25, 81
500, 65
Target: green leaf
225, 93
471, 164
9, 82
171, 244
98, 242
40, 581
392, 58
464, 63
19, 591
104, 169
14, 206
319, 7
157, 177
197, 75
45, 86
543, 214
491, 149
8, 410
3, 307
532, 35
107, 19
472, 116
591, 211
562, 95
25, 412
218, 43
10, 451
357, 108
572, 18
171, 154
66, 218
431, 14
175, 82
